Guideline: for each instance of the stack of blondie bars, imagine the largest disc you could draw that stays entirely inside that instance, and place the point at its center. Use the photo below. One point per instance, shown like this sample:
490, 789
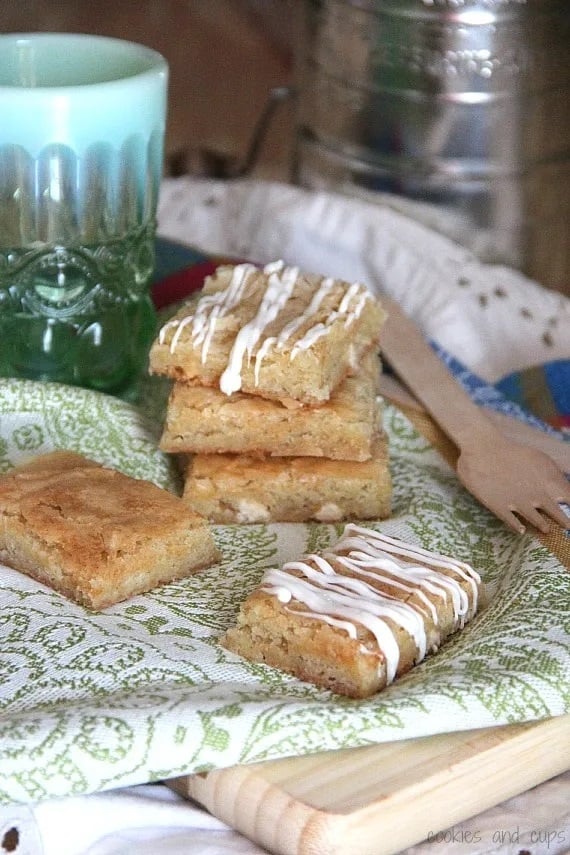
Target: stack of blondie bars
275, 407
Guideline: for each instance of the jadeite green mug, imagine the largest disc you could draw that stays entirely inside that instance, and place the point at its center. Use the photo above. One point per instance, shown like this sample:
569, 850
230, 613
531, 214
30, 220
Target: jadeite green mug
81, 152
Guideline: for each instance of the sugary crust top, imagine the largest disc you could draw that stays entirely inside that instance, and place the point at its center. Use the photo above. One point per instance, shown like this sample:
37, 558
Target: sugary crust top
87, 512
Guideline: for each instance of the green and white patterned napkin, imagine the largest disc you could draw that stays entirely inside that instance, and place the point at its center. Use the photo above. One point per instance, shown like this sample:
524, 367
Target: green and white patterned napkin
143, 692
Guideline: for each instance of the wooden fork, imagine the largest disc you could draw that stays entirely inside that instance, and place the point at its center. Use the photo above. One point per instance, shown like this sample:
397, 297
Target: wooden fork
512, 480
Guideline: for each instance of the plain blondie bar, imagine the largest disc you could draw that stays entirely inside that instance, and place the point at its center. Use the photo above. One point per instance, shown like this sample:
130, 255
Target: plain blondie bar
94, 534
234, 488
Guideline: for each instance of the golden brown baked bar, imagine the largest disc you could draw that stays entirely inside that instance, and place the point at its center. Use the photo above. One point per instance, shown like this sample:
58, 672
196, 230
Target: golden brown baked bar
274, 332
228, 488
203, 420
94, 534
355, 618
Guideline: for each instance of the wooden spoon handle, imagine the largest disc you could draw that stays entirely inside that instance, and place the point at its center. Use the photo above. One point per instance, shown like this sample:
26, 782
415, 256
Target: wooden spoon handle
421, 369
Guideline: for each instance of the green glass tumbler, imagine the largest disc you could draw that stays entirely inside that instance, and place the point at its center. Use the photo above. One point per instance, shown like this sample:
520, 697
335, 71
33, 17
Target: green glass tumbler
81, 152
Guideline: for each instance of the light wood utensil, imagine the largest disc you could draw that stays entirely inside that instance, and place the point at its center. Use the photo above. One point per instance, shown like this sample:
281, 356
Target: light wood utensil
517, 483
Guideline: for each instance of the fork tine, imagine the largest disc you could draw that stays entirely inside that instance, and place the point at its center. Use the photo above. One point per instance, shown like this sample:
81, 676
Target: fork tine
509, 518
535, 518
552, 509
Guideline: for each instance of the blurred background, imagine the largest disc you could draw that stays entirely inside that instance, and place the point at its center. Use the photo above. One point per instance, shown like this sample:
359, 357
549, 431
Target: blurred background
224, 56
511, 203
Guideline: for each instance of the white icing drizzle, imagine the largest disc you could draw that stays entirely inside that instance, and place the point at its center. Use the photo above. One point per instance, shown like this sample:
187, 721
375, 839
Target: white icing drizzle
377, 545
428, 607
209, 309
218, 304
356, 292
289, 330
164, 329
281, 285
274, 266
279, 289
180, 324
347, 601
330, 604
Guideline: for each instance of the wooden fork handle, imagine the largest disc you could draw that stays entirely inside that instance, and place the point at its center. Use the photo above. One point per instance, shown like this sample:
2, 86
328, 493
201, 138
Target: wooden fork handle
392, 388
421, 369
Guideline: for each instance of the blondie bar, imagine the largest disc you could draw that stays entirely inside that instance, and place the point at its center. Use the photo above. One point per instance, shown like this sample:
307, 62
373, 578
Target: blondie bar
94, 534
356, 617
233, 488
274, 332
203, 420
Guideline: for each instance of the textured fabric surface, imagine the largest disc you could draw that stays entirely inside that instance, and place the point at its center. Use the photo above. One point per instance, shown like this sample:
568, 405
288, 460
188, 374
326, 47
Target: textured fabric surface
142, 692
543, 390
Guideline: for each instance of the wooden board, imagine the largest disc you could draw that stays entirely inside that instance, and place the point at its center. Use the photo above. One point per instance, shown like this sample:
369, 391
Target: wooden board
381, 798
